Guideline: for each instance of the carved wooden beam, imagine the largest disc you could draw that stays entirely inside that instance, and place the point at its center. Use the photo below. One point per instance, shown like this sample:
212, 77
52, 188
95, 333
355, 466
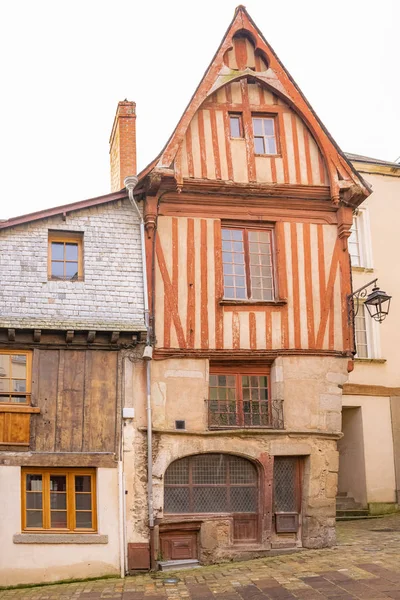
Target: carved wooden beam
37, 334
114, 337
11, 335
69, 336
91, 336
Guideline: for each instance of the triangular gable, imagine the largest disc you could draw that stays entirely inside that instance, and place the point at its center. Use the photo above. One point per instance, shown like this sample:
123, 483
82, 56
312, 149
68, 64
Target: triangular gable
342, 175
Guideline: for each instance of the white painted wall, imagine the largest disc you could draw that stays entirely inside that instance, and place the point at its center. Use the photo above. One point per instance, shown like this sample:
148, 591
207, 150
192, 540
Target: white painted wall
378, 446
37, 563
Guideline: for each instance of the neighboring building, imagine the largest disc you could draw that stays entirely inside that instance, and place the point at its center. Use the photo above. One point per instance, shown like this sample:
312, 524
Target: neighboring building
370, 449
71, 322
248, 210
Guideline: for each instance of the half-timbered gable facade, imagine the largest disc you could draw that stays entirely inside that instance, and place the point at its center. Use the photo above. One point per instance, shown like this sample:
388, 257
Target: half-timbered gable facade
71, 324
247, 210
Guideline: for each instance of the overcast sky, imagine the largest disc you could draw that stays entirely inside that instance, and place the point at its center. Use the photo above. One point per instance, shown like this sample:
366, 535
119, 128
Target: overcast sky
65, 66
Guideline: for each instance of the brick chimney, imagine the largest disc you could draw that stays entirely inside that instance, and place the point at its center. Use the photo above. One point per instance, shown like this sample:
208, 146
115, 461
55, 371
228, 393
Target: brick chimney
123, 144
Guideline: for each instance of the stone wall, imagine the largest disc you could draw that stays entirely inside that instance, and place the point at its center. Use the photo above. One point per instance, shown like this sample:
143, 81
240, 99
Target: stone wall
111, 295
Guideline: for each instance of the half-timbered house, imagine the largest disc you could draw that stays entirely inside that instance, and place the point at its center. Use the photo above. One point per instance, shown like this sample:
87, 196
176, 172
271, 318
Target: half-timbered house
248, 211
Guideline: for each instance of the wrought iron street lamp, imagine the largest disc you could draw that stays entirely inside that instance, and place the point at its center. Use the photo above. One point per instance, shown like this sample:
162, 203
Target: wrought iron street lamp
377, 302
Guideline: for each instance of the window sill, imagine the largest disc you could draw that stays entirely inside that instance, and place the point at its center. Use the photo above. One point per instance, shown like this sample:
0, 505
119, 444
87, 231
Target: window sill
362, 269
60, 538
232, 302
370, 360
269, 155
19, 408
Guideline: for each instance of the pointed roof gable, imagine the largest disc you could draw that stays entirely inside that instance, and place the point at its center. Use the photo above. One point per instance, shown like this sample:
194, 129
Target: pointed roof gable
342, 175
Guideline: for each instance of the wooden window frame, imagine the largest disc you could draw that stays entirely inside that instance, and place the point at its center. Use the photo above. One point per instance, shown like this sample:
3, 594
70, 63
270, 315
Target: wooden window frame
238, 372
65, 237
246, 227
70, 474
28, 392
275, 121
280, 527
238, 115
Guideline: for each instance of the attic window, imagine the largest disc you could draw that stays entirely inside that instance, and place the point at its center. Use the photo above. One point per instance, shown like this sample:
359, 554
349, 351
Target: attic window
264, 132
65, 259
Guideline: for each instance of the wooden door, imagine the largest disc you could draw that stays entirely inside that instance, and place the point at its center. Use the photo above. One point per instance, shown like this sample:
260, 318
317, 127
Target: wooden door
178, 545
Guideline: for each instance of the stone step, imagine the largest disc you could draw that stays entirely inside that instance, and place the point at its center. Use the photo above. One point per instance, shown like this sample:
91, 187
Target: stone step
359, 512
178, 565
347, 503
359, 518
341, 494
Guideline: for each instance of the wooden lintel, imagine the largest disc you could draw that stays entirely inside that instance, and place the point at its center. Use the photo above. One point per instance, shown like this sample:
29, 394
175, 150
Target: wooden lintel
69, 336
359, 389
19, 409
37, 334
114, 337
90, 337
11, 335
58, 459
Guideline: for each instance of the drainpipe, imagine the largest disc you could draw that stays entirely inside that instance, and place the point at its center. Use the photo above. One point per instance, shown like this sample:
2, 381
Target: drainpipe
130, 183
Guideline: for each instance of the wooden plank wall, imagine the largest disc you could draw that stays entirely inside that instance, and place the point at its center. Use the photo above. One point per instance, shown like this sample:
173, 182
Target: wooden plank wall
208, 152
312, 275
78, 394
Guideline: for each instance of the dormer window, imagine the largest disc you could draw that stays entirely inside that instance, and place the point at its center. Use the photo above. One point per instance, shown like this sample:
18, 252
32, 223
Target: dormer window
264, 132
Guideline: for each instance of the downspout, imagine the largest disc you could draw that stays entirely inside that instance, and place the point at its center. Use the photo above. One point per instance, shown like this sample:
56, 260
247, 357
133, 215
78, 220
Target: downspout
130, 183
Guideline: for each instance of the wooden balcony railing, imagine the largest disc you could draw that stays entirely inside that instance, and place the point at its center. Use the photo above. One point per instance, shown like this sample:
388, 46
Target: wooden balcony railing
226, 414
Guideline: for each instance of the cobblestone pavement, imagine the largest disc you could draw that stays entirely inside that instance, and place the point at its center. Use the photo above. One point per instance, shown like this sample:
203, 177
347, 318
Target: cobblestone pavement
364, 564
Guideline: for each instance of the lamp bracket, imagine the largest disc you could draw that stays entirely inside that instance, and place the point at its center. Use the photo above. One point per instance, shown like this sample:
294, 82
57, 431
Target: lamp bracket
353, 300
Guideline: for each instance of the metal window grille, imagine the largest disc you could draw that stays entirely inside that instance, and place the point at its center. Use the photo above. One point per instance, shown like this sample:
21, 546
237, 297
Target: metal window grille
285, 484
211, 483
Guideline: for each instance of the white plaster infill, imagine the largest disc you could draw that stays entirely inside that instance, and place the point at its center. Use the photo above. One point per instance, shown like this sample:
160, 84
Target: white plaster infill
60, 538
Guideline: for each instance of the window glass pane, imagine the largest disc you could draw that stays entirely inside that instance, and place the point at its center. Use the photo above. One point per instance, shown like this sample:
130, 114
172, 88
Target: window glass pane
4, 366
176, 500
259, 145
210, 499
268, 126
257, 126
18, 365
33, 500
58, 483
18, 385
237, 234
57, 269
57, 251
58, 519
178, 473
284, 484
83, 502
242, 471
83, 483
33, 483
71, 251
235, 126
84, 520
34, 518
244, 499
71, 269
209, 469
271, 145
58, 500
18, 399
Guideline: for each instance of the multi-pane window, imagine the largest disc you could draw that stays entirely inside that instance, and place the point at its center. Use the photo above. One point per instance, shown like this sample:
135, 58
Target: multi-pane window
238, 400
65, 256
15, 377
247, 264
264, 135
58, 499
211, 483
286, 484
361, 333
354, 244
236, 125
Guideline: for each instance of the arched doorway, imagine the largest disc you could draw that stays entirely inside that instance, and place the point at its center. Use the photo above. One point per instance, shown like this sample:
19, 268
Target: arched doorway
212, 485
